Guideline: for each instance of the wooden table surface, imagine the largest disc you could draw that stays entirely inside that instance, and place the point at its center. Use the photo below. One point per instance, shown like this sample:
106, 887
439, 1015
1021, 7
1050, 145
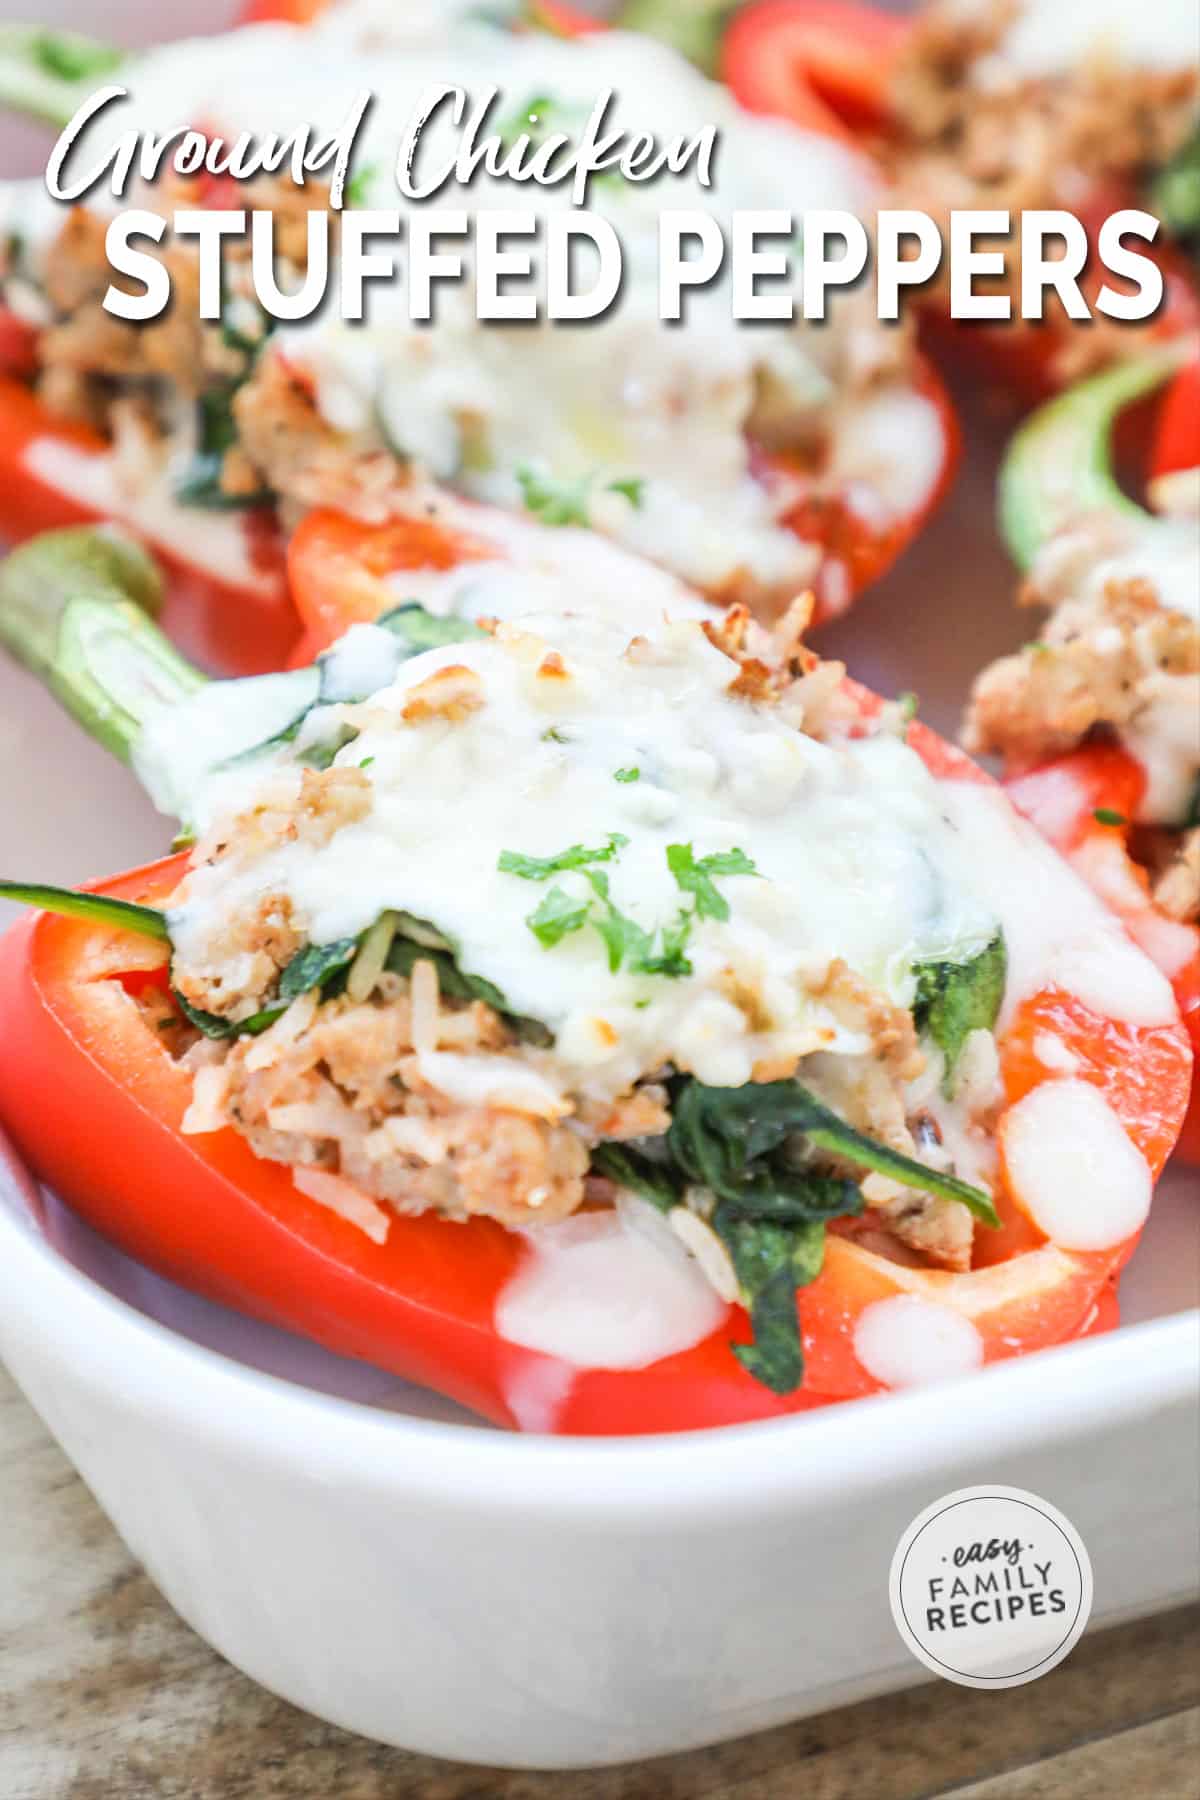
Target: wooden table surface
106, 1695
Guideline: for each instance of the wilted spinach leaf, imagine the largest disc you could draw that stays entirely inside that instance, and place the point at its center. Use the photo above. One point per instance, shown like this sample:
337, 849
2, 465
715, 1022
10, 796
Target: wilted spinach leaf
956, 998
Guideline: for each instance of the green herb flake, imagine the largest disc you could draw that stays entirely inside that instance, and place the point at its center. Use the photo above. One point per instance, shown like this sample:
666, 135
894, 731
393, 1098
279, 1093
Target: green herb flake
1107, 815
627, 775
694, 875
567, 502
624, 939
556, 916
632, 487
554, 502
577, 856
669, 958
909, 704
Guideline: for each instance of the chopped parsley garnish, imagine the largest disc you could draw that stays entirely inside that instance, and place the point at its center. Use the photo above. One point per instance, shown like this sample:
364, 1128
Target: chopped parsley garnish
909, 704
578, 856
694, 875
554, 502
627, 774
669, 958
1107, 815
630, 945
633, 487
569, 502
557, 914
662, 951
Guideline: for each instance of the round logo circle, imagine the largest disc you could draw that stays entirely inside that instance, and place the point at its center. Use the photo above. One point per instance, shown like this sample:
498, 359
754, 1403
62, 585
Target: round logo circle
991, 1587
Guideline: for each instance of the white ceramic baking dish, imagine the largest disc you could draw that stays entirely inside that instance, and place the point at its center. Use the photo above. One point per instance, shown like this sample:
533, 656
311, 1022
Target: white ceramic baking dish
369, 1554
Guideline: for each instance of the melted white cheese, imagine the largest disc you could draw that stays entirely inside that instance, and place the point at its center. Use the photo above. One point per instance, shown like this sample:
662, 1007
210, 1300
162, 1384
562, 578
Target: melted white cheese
853, 850
205, 540
1164, 553
1057, 931
909, 1342
181, 750
626, 396
1166, 741
536, 570
1073, 1167
604, 1290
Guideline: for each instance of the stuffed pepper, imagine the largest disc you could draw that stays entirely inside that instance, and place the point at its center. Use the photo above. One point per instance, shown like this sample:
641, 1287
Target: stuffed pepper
616, 1031
751, 462
1097, 718
978, 104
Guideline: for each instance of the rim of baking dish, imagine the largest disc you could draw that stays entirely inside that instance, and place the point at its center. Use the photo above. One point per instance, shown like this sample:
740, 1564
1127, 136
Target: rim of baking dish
1060, 1394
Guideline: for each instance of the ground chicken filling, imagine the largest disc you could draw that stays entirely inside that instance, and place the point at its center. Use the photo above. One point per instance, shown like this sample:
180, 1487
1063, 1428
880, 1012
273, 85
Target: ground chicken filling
1113, 658
975, 134
161, 392
397, 1082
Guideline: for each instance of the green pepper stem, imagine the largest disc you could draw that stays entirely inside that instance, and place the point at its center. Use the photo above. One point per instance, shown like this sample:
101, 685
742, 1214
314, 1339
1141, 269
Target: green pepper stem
47, 74
1059, 466
74, 608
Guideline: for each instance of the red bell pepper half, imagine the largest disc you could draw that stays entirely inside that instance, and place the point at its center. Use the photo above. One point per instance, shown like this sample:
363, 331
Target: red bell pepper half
95, 1103
861, 551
